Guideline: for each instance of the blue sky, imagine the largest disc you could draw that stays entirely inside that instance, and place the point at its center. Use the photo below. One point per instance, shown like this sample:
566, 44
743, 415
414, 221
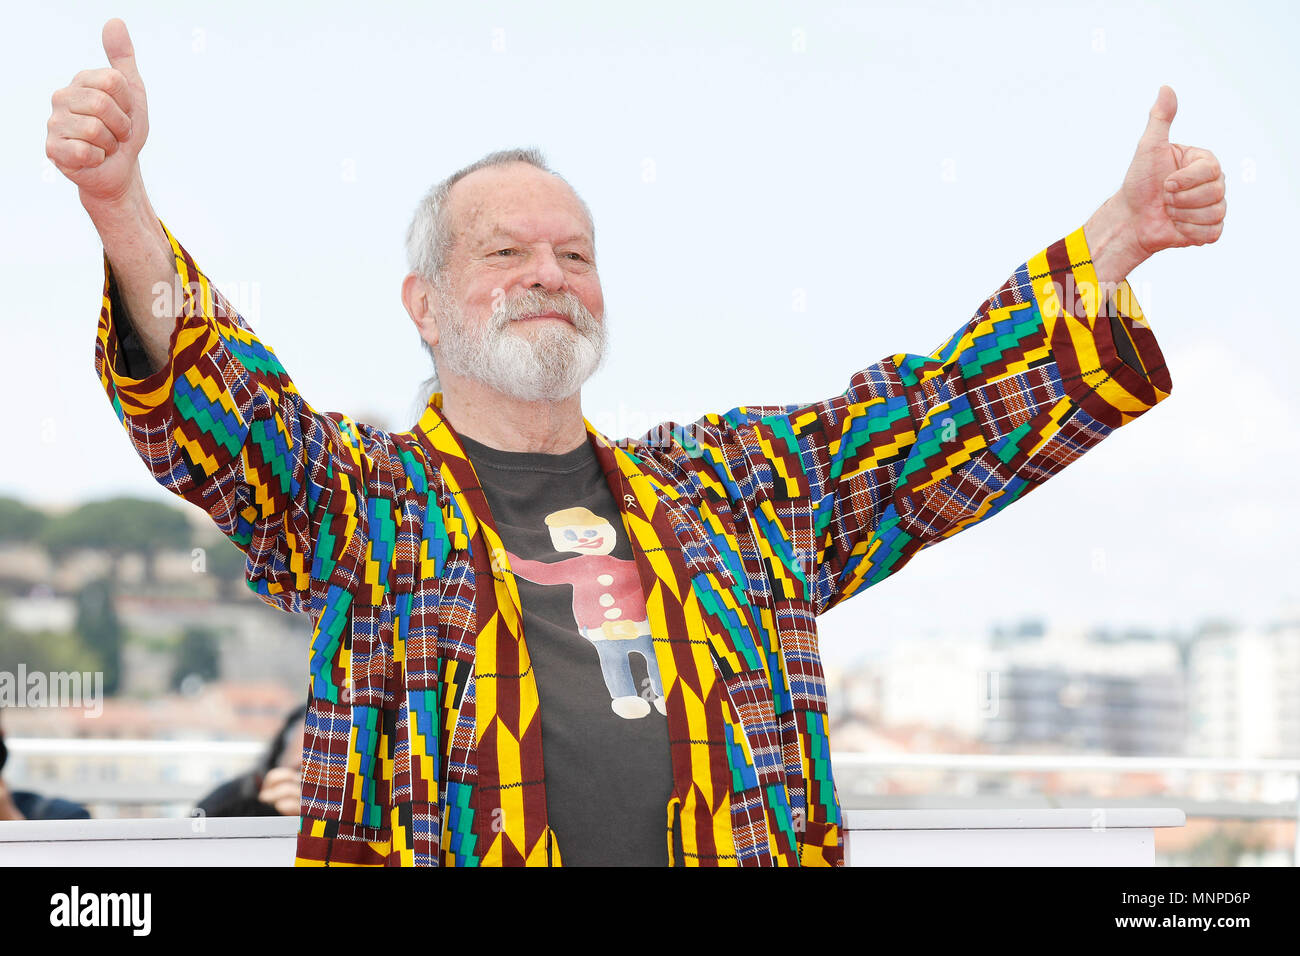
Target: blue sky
885, 166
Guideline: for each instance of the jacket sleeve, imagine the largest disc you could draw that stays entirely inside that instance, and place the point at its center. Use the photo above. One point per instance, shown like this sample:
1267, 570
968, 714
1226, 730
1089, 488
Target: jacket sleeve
843, 492
222, 426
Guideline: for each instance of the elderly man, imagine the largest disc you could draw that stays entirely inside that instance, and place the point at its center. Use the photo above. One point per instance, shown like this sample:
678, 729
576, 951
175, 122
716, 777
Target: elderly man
533, 645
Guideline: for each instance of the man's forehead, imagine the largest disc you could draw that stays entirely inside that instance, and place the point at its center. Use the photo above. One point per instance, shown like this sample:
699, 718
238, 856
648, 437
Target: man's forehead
530, 229
524, 202
497, 218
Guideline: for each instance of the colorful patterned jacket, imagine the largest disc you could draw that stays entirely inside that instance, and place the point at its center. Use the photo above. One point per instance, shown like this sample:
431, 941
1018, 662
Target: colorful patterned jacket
423, 742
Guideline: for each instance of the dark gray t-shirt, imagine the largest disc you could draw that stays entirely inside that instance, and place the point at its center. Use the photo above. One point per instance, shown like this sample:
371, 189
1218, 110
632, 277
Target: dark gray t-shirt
604, 734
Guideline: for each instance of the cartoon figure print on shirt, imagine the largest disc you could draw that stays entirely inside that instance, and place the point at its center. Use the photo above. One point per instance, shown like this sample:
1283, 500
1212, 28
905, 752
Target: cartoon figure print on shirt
608, 604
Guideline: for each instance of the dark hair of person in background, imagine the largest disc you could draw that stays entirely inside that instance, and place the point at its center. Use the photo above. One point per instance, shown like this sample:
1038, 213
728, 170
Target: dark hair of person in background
238, 797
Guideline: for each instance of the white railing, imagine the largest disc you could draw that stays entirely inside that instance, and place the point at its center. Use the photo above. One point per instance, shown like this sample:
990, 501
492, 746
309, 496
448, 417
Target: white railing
1123, 837
1065, 762
196, 766
1005, 763
158, 777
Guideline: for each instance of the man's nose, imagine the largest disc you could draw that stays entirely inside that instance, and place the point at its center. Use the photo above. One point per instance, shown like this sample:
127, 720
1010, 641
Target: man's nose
544, 272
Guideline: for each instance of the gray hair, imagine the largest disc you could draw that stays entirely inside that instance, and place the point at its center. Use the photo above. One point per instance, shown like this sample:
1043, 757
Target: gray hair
429, 238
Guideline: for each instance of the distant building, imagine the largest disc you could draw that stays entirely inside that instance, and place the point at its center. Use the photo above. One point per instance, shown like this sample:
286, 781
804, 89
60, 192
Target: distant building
1244, 688
1072, 690
1025, 688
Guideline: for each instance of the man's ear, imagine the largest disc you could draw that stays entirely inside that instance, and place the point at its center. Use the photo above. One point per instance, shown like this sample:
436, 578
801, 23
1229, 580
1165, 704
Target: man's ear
420, 301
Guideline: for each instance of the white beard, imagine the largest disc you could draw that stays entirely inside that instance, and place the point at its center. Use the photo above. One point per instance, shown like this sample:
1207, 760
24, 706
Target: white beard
546, 363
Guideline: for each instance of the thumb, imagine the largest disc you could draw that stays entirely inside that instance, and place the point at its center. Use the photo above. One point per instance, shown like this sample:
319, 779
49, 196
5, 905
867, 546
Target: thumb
118, 48
1161, 115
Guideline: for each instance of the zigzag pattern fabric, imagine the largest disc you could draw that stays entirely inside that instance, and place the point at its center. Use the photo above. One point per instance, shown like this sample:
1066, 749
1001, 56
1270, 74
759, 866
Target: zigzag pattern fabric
423, 743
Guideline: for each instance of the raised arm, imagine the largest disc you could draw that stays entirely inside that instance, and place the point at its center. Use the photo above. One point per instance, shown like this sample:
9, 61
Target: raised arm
208, 407
842, 493
98, 125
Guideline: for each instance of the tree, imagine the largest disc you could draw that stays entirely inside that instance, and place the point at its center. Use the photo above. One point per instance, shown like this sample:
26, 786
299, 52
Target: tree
18, 522
119, 526
197, 654
100, 630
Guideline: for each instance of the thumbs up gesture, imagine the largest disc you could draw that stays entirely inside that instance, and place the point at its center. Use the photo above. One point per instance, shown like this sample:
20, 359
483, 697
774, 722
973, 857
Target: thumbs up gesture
1173, 195
100, 122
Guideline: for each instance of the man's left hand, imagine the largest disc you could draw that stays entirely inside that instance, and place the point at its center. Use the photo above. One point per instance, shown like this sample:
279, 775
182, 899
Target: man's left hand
1172, 196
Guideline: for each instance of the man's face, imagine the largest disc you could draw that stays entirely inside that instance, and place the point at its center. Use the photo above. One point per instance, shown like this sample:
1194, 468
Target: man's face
522, 309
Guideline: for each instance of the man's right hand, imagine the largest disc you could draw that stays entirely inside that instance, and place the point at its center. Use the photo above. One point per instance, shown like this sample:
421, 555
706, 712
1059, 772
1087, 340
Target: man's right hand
100, 122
